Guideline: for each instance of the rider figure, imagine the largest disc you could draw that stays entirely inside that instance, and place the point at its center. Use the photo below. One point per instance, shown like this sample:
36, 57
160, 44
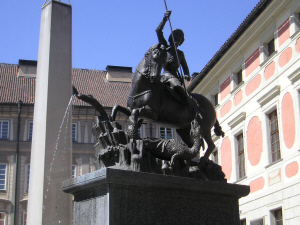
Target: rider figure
170, 74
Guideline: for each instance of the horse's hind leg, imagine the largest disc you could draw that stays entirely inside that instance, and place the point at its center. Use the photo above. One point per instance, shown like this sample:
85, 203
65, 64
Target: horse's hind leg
210, 144
118, 108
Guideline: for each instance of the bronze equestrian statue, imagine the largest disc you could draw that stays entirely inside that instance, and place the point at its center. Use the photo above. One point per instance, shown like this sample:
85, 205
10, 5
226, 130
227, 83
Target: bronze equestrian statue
162, 99
152, 100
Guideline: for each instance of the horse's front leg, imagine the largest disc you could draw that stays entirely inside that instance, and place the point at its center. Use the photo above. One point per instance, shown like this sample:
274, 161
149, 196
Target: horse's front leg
118, 108
134, 116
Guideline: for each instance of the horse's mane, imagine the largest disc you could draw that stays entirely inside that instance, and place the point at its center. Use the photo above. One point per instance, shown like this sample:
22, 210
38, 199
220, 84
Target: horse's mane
145, 63
148, 53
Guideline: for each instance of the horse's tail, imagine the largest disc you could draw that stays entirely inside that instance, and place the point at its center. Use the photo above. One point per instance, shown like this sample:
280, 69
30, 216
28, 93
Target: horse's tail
218, 129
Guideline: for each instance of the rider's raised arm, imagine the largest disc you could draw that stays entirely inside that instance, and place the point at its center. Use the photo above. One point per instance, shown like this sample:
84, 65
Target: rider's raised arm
159, 29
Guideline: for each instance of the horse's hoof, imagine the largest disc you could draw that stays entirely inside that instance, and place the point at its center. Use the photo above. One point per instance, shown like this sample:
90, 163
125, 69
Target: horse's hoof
202, 162
165, 167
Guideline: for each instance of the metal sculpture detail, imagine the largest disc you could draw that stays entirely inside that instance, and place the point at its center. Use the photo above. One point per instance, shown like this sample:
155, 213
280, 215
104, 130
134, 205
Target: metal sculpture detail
151, 99
160, 99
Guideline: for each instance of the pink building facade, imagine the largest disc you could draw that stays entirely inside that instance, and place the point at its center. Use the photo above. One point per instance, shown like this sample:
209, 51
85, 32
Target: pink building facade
257, 86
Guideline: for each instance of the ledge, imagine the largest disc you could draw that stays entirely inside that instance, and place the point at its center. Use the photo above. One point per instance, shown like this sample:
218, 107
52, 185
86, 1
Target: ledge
273, 163
241, 179
269, 59
237, 88
295, 76
269, 95
111, 176
239, 118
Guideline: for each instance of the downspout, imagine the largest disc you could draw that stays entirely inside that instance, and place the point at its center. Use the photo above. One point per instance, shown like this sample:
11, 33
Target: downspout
17, 162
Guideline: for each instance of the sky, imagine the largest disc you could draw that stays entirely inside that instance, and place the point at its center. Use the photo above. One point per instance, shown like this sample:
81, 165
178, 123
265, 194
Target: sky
119, 32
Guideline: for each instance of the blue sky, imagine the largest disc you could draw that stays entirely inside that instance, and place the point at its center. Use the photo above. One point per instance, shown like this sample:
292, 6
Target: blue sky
118, 32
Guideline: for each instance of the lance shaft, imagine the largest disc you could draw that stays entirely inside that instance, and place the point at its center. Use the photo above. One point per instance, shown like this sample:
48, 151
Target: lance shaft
181, 72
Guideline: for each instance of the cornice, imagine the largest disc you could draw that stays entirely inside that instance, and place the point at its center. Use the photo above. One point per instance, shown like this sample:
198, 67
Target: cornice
269, 95
239, 118
243, 43
295, 75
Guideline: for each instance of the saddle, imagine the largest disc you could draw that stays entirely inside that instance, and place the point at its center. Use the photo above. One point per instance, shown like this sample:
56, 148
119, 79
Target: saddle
175, 93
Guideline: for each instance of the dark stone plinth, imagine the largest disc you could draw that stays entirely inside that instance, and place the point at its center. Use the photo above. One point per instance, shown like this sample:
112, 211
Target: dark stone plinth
113, 197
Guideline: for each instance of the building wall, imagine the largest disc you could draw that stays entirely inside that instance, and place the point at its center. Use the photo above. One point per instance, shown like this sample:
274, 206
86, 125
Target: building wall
83, 158
270, 82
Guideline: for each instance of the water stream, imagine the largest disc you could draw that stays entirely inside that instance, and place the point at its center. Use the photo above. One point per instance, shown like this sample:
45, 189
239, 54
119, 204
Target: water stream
64, 124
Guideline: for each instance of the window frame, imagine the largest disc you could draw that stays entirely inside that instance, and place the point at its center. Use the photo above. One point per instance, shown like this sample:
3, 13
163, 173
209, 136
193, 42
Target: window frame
295, 20
5, 176
75, 133
272, 46
270, 135
273, 219
215, 156
243, 221
237, 77
165, 133
269, 100
214, 98
27, 176
238, 153
4, 219
24, 222
74, 174
269, 35
8, 128
238, 126
141, 131
30, 130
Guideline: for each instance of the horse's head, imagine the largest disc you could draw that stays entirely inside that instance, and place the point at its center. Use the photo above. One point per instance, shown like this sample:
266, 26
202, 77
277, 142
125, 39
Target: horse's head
153, 62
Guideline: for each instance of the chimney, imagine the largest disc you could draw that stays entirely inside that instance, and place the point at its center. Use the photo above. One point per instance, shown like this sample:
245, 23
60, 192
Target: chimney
27, 68
119, 74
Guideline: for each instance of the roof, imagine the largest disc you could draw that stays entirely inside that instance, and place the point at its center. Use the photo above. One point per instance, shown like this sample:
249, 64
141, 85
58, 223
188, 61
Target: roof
14, 88
258, 9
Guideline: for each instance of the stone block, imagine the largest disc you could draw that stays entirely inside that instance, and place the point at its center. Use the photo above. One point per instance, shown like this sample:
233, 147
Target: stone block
112, 196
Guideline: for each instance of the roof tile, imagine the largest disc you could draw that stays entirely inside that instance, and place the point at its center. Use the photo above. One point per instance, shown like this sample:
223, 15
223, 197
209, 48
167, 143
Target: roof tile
14, 88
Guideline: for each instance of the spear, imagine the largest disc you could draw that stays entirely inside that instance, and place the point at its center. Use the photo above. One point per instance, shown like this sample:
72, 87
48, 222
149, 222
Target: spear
180, 72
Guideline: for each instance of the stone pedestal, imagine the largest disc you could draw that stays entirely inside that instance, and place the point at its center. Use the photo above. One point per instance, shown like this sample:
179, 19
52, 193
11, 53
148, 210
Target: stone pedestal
112, 197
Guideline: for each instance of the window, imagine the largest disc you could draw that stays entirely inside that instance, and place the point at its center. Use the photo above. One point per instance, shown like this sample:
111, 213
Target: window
74, 131
215, 157
25, 218
73, 171
276, 217
140, 131
267, 43
241, 155
165, 133
4, 129
270, 47
30, 128
3, 177
296, 20
243, 222
215, 99
27, 177
2, 218
239, 77
274, 136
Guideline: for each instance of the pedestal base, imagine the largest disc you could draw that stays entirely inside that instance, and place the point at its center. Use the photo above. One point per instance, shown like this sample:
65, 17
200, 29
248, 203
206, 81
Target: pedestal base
113, 197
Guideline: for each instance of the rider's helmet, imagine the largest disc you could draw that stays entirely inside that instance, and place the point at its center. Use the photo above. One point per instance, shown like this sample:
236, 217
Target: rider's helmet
177, 32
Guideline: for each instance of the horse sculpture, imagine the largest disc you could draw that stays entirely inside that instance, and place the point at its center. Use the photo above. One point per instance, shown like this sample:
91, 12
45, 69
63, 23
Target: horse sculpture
152, 100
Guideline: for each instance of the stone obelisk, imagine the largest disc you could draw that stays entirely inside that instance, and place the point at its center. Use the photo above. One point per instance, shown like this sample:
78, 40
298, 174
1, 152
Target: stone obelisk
51, 161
